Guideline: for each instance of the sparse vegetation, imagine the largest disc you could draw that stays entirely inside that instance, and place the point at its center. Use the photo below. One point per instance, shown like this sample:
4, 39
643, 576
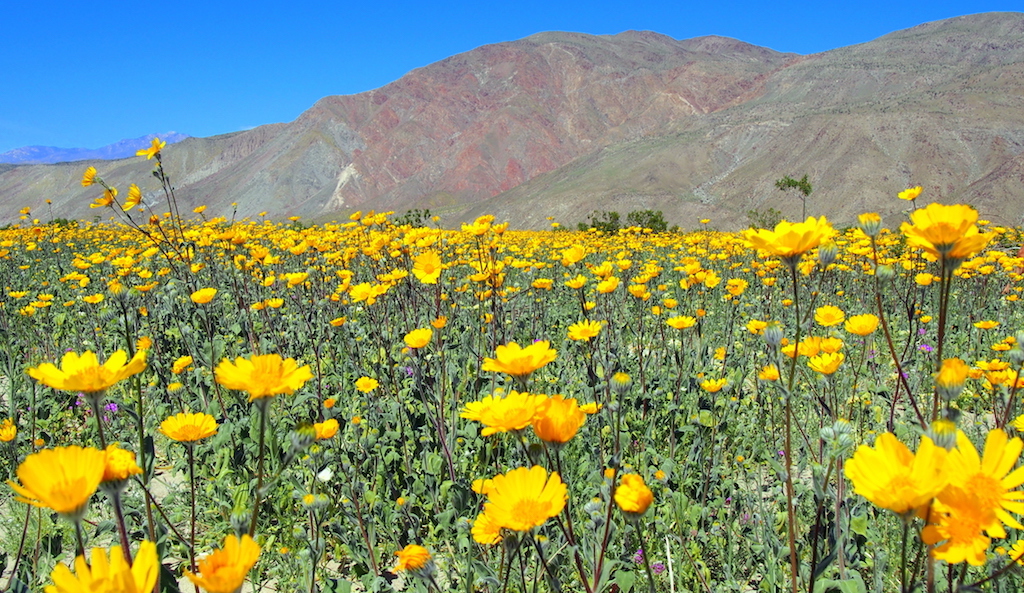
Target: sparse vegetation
763, 219
803, 186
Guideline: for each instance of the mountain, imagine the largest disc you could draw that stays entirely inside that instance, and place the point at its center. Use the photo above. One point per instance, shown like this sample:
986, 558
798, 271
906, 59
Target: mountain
561, 124
37, 155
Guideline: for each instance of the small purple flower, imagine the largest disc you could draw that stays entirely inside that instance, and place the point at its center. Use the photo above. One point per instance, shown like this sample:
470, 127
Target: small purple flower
638, 557
925, 348
410, 371
111, 407
658, 568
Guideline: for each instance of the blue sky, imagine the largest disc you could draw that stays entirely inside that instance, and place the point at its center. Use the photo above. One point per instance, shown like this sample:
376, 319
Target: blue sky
87, 74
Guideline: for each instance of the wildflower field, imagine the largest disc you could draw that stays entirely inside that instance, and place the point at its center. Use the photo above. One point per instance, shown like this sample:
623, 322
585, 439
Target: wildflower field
368, 406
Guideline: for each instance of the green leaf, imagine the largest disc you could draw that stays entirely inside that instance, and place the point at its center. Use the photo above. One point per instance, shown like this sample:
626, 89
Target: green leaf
852, 585
625, 580
859, 525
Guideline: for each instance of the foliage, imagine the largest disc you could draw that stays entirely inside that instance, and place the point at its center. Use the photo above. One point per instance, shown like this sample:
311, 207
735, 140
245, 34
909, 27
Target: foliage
610, 222
700, 364
764, 219
803, 186
647, 219
414, 217
602, 220
787, 183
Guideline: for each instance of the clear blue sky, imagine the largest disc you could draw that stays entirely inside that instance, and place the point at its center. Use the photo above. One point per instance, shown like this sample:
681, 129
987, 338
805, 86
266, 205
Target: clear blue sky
78, 74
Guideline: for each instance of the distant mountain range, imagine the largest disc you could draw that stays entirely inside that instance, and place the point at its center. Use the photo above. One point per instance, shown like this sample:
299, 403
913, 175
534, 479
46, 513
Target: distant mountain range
561, 124
44, 155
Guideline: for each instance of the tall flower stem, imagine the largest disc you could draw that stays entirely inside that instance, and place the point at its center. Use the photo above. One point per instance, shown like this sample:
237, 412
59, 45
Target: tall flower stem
122, 531
903, 558
794, 565
892, 347
192, 504
647, 561
944, 286
262, 404
79, 539
570, 533
94, 404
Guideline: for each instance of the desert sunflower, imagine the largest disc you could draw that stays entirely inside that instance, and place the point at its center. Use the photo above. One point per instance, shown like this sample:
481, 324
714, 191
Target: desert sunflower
412, 558
189, 428
945, 231
427, 267
485, 531
515, 411
988, 479
862, 325
62, 478
262, 376
105, 573
120, 464
893, 478
557, 419
790, 240
958, 525
418, 338
524, 498
584, 330
326, 429
513, 359
225, 569
826, 363
8, 430
85, 373
633, 496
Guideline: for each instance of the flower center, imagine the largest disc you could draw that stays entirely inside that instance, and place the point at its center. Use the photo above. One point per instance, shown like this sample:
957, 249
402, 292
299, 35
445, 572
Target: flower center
987, 491
530, 512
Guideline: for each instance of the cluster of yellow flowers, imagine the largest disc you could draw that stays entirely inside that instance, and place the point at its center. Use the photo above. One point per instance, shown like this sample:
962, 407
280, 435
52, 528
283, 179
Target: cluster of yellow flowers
964, 498
524, 498
65, 478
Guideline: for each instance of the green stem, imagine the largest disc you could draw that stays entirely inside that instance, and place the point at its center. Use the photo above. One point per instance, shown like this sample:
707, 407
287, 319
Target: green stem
647, 561
794, 567
94, 403
262, 405
79, 539
115, 499
192, 504
903, 557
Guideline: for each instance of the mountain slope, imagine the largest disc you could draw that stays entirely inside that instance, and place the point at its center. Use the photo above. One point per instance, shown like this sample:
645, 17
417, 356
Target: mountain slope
559, 124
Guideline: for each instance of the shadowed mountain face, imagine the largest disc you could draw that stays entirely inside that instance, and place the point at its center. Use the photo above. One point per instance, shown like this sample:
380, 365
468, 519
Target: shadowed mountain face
560, 124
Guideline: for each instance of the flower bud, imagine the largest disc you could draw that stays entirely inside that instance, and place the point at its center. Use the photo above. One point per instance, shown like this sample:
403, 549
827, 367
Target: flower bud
827, 253
942, 432
885, 272
620, 382
773, 334
949, 382
240, 521
870, 223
